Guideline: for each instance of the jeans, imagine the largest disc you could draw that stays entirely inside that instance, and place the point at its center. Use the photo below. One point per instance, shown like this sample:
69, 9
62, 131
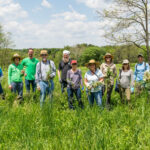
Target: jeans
46, 89
95, 95
77, 93
28, 83
1, 89
63, 85
17, 87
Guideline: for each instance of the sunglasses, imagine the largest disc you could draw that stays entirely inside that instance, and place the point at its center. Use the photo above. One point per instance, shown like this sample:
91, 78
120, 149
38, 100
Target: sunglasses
74, 64
44, 55
125, 64
107, 57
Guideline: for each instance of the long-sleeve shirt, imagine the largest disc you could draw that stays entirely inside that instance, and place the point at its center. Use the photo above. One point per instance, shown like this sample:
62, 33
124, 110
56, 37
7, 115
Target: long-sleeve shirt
126, 79
45, 70
14, 73
30, 65
104, 68
74, 79
139, 71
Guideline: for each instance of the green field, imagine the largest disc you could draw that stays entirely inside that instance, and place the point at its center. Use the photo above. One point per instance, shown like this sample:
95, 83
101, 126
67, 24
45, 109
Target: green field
27, 126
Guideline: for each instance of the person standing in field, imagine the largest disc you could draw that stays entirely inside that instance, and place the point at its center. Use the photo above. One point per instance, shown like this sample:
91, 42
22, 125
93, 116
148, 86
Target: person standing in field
140, 68
29, 64
109, 70
45, 73
126, 81
63, 68
1, 89
93, 81
15, 74
74, 80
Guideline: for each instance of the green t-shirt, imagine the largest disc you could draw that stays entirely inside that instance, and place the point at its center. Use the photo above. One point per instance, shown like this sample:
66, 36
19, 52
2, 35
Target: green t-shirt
14, 73
30, 69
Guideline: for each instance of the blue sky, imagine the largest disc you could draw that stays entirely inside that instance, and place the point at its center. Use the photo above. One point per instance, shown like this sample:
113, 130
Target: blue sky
53, 23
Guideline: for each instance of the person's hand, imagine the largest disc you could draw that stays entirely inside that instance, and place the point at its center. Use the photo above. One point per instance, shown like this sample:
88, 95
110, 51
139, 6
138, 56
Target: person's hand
22, 71
10, 87
25, 74
38, 87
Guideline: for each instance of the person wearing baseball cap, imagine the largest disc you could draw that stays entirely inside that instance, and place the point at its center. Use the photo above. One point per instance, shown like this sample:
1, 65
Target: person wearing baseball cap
15, 74
126, 80
45, 73
64, 66
74, 82
108, 65
30, 68
140, 68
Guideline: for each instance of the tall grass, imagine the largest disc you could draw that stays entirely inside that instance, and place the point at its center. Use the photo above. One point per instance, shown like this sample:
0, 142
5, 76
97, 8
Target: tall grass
27, 126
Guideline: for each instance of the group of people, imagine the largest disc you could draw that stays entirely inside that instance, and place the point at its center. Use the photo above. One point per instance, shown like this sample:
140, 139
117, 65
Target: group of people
97, 80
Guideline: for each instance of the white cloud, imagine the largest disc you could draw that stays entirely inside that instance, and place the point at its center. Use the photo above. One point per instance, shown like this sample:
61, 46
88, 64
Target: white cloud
96, 4
45, 3
10, 10
68, 28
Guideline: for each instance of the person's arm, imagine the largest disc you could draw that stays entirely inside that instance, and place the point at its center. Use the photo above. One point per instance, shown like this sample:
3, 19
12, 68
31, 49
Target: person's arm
9, 76
147, 67
53, 73
59, 72
81, 81
135, 72
37, 78
132, 79
115, 71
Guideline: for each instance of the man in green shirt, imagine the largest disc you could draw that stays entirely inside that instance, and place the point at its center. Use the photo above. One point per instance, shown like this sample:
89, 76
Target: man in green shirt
15, 73
29, 64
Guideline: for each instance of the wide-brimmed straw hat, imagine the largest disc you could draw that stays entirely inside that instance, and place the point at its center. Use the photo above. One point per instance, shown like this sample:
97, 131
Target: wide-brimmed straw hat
16, 56
92, 61
43, 52
125, 61
108, 54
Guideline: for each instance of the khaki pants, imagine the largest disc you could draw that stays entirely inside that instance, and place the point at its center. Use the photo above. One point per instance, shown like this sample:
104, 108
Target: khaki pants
138, 88
125, 94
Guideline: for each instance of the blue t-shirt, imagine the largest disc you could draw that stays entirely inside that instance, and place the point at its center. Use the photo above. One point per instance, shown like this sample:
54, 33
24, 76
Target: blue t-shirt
139, 71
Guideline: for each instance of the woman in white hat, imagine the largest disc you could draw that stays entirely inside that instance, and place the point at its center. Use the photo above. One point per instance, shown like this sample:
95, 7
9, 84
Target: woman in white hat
126, 80
93, 81
108, 65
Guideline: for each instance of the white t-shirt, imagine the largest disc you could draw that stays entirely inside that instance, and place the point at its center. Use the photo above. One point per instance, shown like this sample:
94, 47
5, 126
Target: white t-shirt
91, 78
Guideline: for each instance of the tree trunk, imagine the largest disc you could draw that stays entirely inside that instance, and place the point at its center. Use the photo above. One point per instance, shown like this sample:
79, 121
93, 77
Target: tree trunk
147, 32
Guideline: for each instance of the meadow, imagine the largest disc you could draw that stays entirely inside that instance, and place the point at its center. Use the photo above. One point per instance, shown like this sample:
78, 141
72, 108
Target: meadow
55, 127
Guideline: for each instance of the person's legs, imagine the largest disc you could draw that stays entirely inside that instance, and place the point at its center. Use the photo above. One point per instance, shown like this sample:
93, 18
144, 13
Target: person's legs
90, 98
108, 100
43, 87
98, 98
27, 84
20, 90
2, 92
78, 96
50, 90
63, 85
14, 87
33, 83
128, 93
70, 97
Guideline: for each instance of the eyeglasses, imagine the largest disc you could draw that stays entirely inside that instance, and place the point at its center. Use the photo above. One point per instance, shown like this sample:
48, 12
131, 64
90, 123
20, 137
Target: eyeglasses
44, 55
